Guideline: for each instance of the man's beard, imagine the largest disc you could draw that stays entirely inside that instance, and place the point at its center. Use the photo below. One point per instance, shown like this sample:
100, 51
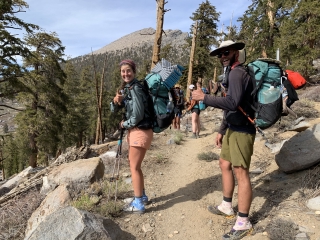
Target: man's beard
232, 60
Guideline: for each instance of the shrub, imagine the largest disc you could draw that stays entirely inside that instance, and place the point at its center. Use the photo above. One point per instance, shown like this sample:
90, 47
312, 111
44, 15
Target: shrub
208, 156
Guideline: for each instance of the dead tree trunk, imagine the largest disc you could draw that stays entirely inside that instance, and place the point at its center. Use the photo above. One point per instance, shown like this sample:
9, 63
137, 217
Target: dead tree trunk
158, 35
213, 81
2, 177
99, 100
193, 48
96, 141
270, 14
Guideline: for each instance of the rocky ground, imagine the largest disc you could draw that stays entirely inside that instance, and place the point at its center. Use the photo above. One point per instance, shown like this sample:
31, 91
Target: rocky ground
181, 187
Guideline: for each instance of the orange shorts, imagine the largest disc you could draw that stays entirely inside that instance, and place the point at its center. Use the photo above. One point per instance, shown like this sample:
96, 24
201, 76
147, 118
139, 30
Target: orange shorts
140, 138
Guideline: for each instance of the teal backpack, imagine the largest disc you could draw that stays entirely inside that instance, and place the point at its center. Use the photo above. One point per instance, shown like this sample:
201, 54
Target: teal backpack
266, 75
158, 85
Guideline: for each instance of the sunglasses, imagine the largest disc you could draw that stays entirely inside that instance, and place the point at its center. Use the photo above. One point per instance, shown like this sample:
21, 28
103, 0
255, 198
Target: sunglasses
225, 53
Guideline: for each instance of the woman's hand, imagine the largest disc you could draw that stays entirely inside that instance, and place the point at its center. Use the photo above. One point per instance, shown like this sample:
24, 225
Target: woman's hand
219, 140
121, 125
118, 99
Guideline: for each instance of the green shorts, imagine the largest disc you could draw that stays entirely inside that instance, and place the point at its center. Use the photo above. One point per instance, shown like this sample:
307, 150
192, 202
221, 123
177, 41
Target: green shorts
237, 148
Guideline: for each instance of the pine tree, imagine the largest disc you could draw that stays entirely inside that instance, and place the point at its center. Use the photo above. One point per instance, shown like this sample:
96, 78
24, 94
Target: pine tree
299, 40
259, 28
42, 95
12, 46
207, 34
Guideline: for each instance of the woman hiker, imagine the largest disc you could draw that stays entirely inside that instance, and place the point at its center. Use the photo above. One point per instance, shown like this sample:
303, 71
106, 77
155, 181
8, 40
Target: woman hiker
139, 135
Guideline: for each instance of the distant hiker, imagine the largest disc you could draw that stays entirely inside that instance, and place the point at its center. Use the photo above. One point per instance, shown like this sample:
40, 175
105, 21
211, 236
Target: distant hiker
139, 140
193, 106
238, 138
178, 98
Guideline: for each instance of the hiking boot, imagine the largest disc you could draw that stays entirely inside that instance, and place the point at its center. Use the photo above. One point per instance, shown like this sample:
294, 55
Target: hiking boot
145, 200
237, 234
227, 213
194, 136
136, 206
245, 229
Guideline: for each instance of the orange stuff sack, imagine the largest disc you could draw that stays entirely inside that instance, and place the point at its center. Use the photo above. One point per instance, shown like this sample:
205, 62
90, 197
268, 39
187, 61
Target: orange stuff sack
296, 79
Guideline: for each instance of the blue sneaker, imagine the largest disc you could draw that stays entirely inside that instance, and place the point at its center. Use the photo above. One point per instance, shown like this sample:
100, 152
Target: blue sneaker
136, 206
144, 197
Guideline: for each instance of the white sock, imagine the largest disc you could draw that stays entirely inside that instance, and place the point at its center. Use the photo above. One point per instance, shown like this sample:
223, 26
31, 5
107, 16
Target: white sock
226, 207
242, 223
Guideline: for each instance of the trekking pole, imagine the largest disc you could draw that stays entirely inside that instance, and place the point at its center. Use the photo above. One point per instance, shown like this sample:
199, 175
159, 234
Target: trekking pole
253, 123
118, 156
116, 166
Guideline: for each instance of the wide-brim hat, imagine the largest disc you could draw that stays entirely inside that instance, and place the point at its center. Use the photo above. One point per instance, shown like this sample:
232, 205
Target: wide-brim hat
228, 43
191, 86
177, 86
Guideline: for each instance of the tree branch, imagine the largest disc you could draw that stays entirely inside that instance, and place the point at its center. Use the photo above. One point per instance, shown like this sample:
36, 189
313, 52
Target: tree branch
3, 105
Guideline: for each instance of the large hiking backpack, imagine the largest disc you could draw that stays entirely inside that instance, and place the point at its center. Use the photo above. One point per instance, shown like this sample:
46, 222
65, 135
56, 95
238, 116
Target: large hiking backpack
158, 86
266, 75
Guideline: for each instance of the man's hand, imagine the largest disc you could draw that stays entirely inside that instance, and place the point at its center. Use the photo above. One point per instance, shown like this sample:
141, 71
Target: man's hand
197, 95
219, 140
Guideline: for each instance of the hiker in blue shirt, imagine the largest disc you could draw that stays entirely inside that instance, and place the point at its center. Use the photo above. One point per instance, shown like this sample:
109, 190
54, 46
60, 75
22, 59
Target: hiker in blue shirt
193, 106
236, 136
139, 140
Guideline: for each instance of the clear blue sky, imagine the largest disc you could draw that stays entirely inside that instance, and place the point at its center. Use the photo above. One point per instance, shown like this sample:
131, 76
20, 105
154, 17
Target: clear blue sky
83, 25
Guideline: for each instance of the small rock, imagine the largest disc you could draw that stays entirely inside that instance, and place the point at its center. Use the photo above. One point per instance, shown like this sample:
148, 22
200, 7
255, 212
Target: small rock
128, 180
176, 232
147, 228
126, 174
302, 126
257, 171
297, 121
305, 230
301, 236
127, 220
170, 141
265, 234
314, 203
317, 212
170, 235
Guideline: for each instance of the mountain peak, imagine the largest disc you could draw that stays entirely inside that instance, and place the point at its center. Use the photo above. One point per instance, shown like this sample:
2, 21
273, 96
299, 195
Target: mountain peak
144, 37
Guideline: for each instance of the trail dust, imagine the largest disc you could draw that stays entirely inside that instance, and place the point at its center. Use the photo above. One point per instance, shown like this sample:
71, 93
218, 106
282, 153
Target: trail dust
181, 187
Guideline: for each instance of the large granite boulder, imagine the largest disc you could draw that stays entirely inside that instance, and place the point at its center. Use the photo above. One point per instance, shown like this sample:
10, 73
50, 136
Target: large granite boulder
70, 223
301, 151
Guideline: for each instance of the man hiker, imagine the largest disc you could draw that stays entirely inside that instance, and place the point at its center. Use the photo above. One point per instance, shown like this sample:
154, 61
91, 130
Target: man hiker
236, 137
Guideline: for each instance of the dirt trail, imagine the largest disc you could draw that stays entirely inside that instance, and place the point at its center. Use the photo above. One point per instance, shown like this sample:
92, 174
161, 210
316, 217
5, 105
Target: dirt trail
183, 192
180, 187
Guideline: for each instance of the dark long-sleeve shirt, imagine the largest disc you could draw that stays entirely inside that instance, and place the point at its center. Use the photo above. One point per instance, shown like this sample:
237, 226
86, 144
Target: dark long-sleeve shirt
239, 86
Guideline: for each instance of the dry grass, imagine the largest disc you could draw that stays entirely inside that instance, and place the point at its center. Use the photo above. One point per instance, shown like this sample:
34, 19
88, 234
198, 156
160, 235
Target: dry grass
208, 156
282, 229
16, 212
310, 182
311, 93
103, 197
178, 137
305, 107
